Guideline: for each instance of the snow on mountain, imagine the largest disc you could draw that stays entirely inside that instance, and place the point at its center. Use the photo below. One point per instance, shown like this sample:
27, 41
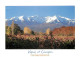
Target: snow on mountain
28, 18
50, 19
40, 20
21, 18
64, 18
12, 18
6, 20
38, 23
37, 19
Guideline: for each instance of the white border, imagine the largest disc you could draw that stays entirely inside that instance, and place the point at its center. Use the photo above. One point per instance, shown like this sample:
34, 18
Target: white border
23, 52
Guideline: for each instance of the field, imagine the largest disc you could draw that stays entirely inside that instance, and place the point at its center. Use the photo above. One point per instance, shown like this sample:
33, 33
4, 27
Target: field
40, 42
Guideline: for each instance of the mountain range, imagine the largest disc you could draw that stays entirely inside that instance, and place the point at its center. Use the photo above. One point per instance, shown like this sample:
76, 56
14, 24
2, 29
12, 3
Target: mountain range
40, 24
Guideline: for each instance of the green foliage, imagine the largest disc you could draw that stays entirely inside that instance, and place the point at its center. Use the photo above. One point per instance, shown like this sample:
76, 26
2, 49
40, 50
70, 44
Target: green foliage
32, 33
47, 44
64, 45
17, 29
8, 30
15, 43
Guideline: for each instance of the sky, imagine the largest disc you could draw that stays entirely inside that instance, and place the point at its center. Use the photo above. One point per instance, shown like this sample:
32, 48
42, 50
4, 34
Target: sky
43, 11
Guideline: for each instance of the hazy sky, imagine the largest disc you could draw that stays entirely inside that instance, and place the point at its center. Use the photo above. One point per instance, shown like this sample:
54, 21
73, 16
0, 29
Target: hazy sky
65, 11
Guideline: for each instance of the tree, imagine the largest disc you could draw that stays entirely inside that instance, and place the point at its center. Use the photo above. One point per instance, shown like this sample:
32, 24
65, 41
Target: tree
27, 30
48, 31
16, 29
8, 30
32, 33
12, 27
64, 31
40, 33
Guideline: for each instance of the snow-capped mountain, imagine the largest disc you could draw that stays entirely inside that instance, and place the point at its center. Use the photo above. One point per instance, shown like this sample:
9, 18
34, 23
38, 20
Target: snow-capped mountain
48, 19
41, 22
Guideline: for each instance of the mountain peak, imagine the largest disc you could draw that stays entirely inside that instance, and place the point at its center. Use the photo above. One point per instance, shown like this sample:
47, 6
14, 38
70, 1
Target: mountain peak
50, 19
12, 18
21, 18
38, 23
47, 19
65, 18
